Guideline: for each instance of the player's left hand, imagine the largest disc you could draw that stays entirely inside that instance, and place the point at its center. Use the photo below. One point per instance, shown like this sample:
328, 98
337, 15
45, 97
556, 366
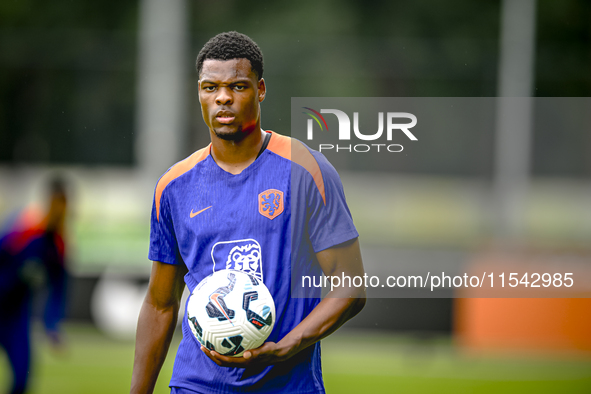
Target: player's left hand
269, 353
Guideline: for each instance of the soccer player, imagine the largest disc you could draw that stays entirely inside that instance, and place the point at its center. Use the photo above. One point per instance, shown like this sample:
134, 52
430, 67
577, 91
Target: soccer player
31, 259
252, 200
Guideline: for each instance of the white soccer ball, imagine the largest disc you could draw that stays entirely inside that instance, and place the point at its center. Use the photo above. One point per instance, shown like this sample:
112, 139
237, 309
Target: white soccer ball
230, 312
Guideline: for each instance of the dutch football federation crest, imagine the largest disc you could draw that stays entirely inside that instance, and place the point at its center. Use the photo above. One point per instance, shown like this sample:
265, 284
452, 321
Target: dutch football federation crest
271, 203
242, 254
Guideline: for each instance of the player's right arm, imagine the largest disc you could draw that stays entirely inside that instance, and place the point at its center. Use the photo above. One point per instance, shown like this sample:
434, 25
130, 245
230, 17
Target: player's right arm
156, 324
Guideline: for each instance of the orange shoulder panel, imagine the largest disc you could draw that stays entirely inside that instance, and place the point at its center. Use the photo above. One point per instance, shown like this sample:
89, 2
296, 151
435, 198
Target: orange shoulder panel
295, 151
177, 170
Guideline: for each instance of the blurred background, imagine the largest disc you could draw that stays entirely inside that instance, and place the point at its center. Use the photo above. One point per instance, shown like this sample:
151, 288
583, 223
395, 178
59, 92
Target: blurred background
105, 94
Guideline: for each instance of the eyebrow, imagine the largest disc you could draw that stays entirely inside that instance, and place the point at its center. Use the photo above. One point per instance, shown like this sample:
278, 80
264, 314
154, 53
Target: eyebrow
241, 80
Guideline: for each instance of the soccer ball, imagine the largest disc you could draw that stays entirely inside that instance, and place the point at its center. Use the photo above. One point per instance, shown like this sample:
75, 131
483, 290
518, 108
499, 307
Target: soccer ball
230, 312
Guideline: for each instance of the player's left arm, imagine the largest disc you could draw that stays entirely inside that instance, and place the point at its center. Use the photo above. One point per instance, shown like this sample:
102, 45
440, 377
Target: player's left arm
341, 304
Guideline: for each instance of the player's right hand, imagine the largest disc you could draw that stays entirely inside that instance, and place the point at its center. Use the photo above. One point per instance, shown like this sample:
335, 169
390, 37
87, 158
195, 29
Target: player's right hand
267, 354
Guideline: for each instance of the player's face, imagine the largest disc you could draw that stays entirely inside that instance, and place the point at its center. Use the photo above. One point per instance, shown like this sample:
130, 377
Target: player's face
230, 93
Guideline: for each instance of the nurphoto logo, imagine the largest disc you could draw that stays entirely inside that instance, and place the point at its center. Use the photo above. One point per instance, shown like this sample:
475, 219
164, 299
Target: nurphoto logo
394, 123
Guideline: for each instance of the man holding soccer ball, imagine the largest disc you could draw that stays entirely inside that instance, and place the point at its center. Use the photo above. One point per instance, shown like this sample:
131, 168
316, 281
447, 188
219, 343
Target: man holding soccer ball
255, 201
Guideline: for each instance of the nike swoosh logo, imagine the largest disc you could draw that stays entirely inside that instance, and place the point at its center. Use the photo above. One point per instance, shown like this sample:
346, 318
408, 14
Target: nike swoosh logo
214, 297
193, 214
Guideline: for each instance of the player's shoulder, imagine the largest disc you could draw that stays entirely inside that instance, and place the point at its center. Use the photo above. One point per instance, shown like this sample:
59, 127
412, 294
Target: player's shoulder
305, 158
177, 171
182, 167
298, 152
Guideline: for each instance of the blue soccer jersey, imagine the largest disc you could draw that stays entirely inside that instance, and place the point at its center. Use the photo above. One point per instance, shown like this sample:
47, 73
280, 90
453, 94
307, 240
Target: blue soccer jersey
275, 215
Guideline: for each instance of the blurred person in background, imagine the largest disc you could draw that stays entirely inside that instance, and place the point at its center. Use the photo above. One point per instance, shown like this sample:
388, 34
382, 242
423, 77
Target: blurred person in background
32, 262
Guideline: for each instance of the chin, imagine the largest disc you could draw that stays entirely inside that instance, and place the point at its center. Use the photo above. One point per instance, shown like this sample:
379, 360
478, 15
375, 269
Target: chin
230, 135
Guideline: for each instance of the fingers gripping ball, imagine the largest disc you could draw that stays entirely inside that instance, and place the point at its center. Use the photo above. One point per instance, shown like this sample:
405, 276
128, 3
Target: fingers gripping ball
230, 312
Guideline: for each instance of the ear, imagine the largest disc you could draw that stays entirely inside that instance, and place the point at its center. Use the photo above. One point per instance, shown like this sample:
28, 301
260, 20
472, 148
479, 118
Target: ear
262, 90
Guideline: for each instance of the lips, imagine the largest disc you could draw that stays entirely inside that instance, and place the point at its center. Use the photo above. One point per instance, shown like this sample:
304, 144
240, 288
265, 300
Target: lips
225, 117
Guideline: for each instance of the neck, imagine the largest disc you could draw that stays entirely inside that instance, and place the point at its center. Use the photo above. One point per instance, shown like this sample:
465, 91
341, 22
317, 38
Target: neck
235, 156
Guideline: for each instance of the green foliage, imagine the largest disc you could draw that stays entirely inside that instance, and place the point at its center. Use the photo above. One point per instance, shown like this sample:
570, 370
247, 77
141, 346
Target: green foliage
68, 68
67, 81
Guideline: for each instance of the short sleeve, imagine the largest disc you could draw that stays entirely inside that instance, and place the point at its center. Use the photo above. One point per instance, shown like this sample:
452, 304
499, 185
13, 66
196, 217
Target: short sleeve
163, 244
330, 222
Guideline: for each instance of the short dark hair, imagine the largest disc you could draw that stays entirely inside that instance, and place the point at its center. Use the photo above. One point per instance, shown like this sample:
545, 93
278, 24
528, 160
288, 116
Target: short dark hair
57, 185
232, 45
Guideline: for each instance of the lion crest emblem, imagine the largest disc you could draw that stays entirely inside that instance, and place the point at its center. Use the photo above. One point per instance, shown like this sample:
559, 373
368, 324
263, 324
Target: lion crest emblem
271, 203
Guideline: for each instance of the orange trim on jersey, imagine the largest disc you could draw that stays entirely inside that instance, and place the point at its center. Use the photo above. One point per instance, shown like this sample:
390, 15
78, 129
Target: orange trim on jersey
295, 151
177, 170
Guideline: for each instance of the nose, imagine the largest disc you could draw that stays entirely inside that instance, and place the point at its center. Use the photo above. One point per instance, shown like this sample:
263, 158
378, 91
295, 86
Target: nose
224, 96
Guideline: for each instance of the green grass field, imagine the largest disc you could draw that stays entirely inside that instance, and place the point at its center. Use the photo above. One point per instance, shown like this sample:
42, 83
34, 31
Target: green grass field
353, 363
